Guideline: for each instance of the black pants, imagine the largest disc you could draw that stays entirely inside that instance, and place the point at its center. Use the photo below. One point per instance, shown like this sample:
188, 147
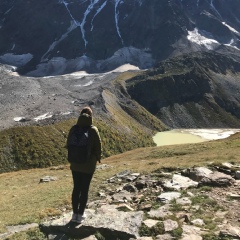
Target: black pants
81, 183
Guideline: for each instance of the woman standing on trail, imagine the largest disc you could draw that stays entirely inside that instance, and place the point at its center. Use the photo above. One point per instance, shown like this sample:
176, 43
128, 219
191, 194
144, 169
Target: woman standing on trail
84, 150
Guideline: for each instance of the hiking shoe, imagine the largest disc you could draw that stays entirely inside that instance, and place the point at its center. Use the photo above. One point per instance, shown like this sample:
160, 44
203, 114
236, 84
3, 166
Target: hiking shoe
74, 217
80, 218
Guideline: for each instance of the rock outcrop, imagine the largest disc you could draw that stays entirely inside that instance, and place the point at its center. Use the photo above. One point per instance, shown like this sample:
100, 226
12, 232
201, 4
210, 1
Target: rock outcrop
191, 91
183, 214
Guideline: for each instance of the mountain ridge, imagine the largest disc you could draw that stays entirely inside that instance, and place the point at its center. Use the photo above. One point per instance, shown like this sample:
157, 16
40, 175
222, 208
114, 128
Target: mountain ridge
87, 34
193, 90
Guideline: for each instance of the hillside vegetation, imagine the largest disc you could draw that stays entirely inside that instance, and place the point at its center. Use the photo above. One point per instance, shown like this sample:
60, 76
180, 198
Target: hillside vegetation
43, 146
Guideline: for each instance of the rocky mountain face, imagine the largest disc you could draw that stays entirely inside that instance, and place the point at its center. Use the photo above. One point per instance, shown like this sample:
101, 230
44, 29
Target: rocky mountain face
61, 36
193, 90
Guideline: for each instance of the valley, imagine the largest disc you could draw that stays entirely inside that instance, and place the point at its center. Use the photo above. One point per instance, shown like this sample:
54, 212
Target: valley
147, 68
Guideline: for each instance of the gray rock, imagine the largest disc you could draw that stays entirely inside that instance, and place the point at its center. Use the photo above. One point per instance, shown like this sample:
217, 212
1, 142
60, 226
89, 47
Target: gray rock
198, 222
145, 207
47, 179
168, 196
184, 201
161, 212
234, 196
227, 165
107, 220
130, 188
196, 174
217, 179
122, 196
191, 237
123, 173
230, 231
132, 177
150, 222
179, 182
103, 166
237, 174
170, 225
140, 184
164, 237
112, 180
189, 230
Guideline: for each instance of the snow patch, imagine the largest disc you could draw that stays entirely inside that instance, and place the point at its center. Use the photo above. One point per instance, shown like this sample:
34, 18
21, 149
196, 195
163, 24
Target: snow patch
79, 74
196, 37
89, 9
230, 44
125, 67
98, 11
42, 117
117, 19
66, 113
212, 134
231, 28
85, 85
19, 119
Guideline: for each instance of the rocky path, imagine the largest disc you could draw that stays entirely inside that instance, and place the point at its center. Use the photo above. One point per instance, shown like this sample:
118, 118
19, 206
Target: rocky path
199, 203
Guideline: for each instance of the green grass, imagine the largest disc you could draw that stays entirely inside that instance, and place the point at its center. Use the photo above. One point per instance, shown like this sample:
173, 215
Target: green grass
31, 234
157, 229
44, 146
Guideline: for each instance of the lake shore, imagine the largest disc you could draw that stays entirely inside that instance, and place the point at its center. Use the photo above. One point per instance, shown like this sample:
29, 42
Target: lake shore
182, 136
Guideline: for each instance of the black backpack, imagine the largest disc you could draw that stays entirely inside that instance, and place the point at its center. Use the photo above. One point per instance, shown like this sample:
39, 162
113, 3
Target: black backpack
78, 144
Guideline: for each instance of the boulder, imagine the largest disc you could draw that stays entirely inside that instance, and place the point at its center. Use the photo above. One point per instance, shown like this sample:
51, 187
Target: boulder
190, 230
150, 222
179, 182
230, 231
237, 174
107, 220
140, 184
170, 225
227, 165
122, 196
161, 212
217, 179
130, 188
196, 174
168, 196
197, 222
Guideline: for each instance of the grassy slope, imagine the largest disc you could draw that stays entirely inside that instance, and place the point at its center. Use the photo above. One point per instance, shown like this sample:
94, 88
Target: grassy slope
31, 201
44, 146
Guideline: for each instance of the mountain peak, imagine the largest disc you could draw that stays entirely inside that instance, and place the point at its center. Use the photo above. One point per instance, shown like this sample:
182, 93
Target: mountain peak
98, 29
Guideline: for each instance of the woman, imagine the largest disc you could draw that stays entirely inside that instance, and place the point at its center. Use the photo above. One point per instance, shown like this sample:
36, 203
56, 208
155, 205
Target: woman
82, 170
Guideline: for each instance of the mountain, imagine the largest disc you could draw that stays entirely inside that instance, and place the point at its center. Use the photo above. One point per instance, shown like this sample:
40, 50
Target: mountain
61, 36
200, 89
